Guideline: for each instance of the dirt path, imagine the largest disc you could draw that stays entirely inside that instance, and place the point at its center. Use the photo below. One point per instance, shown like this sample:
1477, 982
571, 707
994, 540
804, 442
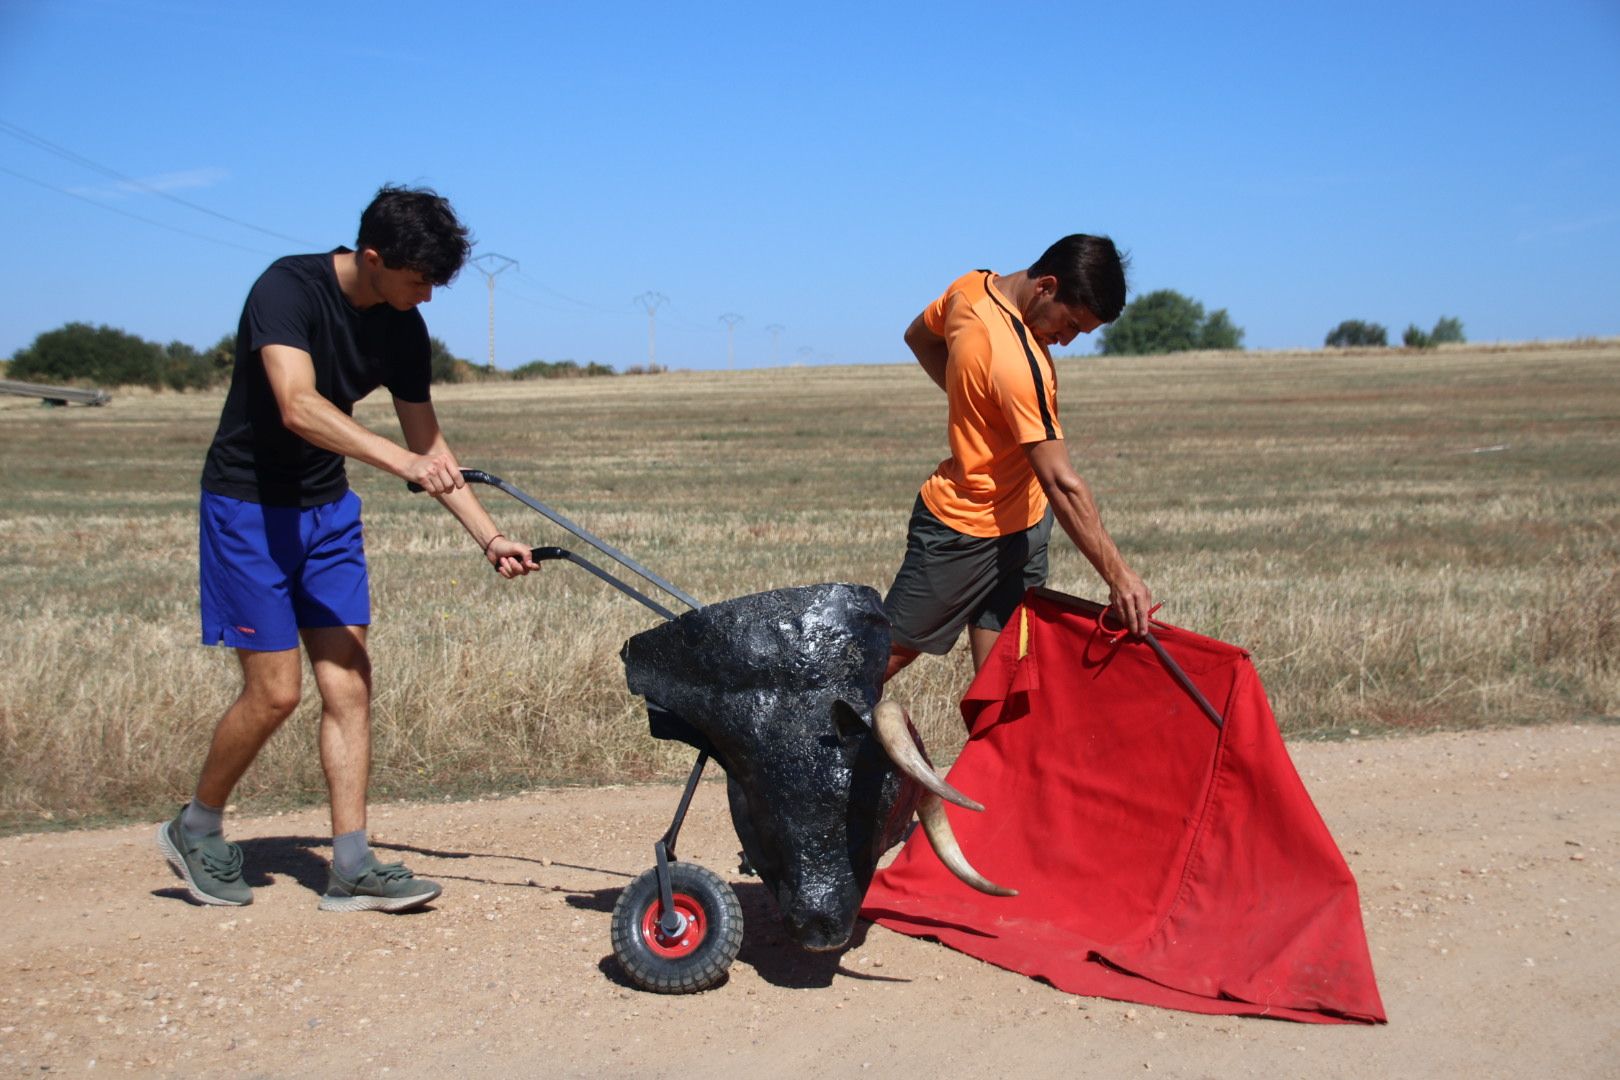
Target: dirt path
1487, 866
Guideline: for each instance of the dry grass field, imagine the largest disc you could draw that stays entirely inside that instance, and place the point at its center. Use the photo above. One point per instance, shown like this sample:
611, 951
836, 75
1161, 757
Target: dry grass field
1404, 542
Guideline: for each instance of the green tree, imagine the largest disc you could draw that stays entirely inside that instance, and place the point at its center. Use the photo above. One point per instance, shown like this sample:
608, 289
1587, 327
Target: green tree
1166, 321
1448, 331
79, 352
1218, 332
96, 354
1354, 332
185, 368
1160, 322
223, 355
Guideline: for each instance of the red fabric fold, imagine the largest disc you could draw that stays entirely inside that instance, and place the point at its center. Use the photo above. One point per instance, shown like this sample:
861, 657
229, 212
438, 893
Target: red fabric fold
1159, 859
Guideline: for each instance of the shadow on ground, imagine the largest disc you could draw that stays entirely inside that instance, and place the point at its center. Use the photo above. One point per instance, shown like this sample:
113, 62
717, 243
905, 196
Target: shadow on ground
304, 859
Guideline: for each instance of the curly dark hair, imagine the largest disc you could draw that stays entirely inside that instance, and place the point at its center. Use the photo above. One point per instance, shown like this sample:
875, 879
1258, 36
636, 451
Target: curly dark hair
415, 229
1090, 270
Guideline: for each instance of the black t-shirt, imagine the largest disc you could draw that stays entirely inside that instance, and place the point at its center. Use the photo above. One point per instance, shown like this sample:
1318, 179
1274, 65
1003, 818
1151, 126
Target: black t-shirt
297, 303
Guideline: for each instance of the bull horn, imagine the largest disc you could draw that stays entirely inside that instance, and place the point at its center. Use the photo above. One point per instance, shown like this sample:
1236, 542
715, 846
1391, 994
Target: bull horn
893, 731
940, 837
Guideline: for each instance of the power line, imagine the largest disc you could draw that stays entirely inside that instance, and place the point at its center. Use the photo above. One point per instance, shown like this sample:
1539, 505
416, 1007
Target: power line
564, 296
680, 324
136, 217
543, 305
63, 152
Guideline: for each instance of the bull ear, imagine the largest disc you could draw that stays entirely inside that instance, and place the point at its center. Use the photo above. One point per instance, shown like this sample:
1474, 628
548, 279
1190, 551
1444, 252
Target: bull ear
849, 723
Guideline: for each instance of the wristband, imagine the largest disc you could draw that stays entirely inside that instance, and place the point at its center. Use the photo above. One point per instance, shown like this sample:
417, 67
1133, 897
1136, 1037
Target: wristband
492, 539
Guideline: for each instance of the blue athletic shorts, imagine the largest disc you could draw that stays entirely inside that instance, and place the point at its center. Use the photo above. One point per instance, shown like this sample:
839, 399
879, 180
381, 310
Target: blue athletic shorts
268, 571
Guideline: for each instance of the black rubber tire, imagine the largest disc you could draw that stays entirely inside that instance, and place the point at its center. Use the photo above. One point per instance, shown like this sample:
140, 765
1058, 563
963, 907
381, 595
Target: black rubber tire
688, 965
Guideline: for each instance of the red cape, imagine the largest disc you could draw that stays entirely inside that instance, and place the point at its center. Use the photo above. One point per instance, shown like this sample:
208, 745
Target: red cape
1159, 858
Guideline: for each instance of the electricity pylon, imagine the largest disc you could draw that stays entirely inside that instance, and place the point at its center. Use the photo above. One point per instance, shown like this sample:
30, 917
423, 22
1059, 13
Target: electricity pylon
731, 319
651, 301
483, 263
775, 330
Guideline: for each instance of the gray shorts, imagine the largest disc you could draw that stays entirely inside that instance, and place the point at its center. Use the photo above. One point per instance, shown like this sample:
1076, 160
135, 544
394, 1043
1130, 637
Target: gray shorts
950, 579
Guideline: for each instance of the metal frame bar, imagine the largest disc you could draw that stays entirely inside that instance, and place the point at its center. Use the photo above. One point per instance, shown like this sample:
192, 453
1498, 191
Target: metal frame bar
670, 921
479, 476
541, 554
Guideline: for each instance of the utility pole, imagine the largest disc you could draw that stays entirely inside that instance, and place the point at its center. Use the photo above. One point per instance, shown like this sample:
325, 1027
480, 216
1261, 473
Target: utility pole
775, 330
651, 301
490, 264
731, 319
805, 354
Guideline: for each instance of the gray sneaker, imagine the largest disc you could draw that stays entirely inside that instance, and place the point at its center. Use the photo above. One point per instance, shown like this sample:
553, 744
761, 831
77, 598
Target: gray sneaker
210, 865
378, 887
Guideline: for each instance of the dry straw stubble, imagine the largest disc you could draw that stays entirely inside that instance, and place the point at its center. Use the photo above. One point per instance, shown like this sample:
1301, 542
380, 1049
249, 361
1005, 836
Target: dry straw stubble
1403, 542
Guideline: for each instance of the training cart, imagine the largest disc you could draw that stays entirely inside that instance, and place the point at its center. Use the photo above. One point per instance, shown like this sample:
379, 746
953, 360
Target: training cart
678, 926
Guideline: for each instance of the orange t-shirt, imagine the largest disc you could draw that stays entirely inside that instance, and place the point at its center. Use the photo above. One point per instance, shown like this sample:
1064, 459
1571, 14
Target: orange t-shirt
1002, 393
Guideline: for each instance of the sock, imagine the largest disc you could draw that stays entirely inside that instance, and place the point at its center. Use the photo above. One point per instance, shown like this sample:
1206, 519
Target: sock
350, 852
200, 819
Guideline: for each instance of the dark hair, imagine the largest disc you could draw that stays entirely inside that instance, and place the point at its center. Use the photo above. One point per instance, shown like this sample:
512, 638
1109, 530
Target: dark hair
1089, 270
415, 229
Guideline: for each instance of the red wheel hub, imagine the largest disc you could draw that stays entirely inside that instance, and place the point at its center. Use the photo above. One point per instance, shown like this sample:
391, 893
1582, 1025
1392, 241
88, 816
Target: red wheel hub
671, 947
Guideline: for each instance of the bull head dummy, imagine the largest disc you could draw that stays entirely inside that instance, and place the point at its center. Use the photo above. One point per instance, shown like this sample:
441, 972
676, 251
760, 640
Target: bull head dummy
782, 688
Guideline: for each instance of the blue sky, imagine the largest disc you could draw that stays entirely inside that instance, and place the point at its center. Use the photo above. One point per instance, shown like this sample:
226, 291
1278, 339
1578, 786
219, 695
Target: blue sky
826, 169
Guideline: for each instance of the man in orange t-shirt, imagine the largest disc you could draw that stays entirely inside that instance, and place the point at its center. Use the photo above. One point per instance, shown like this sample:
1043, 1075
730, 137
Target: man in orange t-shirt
979, 529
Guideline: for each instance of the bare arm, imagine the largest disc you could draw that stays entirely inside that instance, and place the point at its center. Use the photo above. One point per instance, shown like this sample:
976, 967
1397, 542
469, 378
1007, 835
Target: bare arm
929, 348
1076, 511
423, 435
307, 414
428, 461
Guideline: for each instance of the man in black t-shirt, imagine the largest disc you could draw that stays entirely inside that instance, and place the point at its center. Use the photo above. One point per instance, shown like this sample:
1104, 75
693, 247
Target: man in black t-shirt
281, 551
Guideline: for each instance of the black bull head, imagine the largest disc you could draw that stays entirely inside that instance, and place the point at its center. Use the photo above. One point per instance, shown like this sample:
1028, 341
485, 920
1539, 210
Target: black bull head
783, 688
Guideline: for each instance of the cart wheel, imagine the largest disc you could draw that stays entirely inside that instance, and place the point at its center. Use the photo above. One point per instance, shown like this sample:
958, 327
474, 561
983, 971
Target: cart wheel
693, 960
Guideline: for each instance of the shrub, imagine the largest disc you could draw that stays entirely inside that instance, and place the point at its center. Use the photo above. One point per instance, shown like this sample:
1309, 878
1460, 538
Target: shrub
560, 369
447, 366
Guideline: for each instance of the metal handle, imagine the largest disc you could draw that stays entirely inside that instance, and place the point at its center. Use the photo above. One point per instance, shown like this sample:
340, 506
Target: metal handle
479, 476
542, 554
